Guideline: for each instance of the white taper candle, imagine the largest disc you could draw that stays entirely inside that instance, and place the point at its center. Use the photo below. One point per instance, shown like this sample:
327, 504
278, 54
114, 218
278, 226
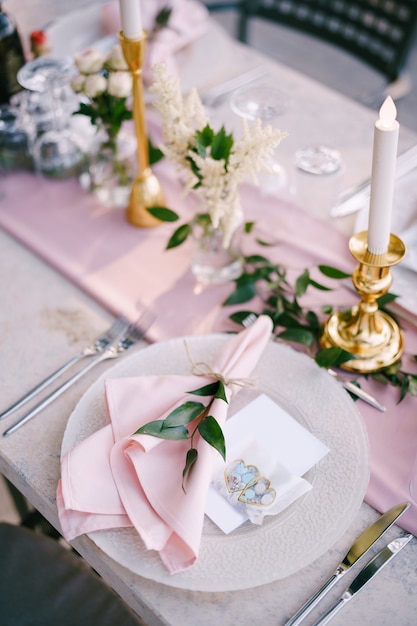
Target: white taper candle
383, 177
131, 18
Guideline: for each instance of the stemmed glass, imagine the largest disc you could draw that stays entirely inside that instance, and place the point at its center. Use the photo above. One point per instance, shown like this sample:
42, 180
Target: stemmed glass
56, 149
264, 101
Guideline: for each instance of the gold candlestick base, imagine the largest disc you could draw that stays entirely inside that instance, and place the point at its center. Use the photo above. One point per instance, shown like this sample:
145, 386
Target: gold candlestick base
146, 193
372, 336
146, 190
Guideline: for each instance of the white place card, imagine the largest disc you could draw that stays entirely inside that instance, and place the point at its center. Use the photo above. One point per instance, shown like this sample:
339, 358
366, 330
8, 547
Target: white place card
263, 425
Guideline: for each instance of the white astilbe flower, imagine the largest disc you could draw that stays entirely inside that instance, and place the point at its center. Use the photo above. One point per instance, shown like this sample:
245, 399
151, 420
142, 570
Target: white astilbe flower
215, 179
253, 150
181, 117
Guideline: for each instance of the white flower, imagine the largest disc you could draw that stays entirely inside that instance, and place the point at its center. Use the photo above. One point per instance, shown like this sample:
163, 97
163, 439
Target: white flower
120, 84
95, 85
115, 59
89, 61
77, 83
217, 179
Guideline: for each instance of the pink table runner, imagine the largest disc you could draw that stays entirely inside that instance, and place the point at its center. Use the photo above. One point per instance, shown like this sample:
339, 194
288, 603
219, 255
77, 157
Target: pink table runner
119, 265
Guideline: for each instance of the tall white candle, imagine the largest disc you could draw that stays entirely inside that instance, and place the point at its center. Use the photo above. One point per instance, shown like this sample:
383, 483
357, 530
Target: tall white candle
131, 18
383, 177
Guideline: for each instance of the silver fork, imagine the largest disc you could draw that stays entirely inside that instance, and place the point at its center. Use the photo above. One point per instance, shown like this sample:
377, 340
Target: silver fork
113, 333
347, 384
134, 333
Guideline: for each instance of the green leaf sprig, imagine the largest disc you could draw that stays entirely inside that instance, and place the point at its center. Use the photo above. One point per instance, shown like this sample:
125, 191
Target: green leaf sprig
219, 145
296, 324
197, 416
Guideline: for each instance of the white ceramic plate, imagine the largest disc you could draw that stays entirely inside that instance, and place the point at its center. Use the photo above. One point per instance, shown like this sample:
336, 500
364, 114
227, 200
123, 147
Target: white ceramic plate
251, 555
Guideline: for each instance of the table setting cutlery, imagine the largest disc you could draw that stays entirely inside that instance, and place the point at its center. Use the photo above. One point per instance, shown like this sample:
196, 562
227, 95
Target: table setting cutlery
359, 548
354, 198
113, 333
119, 346
365, 575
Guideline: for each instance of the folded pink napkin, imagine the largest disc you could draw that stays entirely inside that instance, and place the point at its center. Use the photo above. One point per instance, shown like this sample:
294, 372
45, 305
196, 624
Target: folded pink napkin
188, 21
114, 478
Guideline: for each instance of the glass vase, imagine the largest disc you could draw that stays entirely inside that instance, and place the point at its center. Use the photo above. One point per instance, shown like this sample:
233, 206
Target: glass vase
112, 169
212, 262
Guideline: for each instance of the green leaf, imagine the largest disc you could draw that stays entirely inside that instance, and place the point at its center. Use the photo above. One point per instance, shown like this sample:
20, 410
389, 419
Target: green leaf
386, 299
204, 139
245, 290
183, 414
299, 335
249, 226
190, 460
312, 320
262, 242
211, 432
326, 357
256, 258
302, 283
405, 382
156, 429
413, 385
221, 392
221, 145
207, 390
327, 309
163, 16
317, 285
239, 316
155, 154
179, 236
163, 213
332, 272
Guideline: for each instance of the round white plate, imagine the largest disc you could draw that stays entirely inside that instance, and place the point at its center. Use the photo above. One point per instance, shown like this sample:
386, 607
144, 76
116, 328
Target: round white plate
251, 555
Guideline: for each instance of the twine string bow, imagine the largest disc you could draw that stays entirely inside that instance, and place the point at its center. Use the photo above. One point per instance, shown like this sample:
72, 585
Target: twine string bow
201, 368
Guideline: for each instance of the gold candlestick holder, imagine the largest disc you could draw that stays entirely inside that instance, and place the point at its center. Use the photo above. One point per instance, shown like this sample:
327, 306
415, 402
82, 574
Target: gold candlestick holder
372, 336
146, 190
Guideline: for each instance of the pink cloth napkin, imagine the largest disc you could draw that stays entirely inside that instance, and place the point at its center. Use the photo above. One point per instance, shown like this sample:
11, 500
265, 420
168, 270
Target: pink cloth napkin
115, 479
188, 22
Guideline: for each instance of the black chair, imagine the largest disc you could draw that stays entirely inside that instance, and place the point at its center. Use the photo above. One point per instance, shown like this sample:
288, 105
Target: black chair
378, 32
43, 583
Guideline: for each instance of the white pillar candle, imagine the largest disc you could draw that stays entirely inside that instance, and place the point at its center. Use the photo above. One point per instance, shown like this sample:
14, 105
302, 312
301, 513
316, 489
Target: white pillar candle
383, 177
131, 18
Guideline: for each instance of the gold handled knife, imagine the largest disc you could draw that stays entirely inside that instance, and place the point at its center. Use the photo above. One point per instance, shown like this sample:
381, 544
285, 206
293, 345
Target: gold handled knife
360, 547
366, 574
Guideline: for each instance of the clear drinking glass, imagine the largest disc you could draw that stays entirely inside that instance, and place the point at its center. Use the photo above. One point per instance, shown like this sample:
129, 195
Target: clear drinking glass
56, 149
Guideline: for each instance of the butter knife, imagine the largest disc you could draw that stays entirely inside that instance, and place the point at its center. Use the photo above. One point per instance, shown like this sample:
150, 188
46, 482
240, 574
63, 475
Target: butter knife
374, 566
359, 548
357, 391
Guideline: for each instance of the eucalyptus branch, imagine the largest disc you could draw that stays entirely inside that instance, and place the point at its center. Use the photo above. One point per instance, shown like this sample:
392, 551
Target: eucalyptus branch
297, 324
174, 426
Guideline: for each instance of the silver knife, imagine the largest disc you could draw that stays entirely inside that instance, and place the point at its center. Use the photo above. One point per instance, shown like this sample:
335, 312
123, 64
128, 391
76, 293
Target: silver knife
353, 200
374, 566
359, 548
357, 391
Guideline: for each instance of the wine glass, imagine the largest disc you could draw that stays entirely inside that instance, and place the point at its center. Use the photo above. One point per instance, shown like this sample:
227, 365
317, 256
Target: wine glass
57, 151
264, 101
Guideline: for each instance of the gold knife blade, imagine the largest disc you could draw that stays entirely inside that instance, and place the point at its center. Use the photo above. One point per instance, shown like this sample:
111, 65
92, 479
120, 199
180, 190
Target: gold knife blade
358, 549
